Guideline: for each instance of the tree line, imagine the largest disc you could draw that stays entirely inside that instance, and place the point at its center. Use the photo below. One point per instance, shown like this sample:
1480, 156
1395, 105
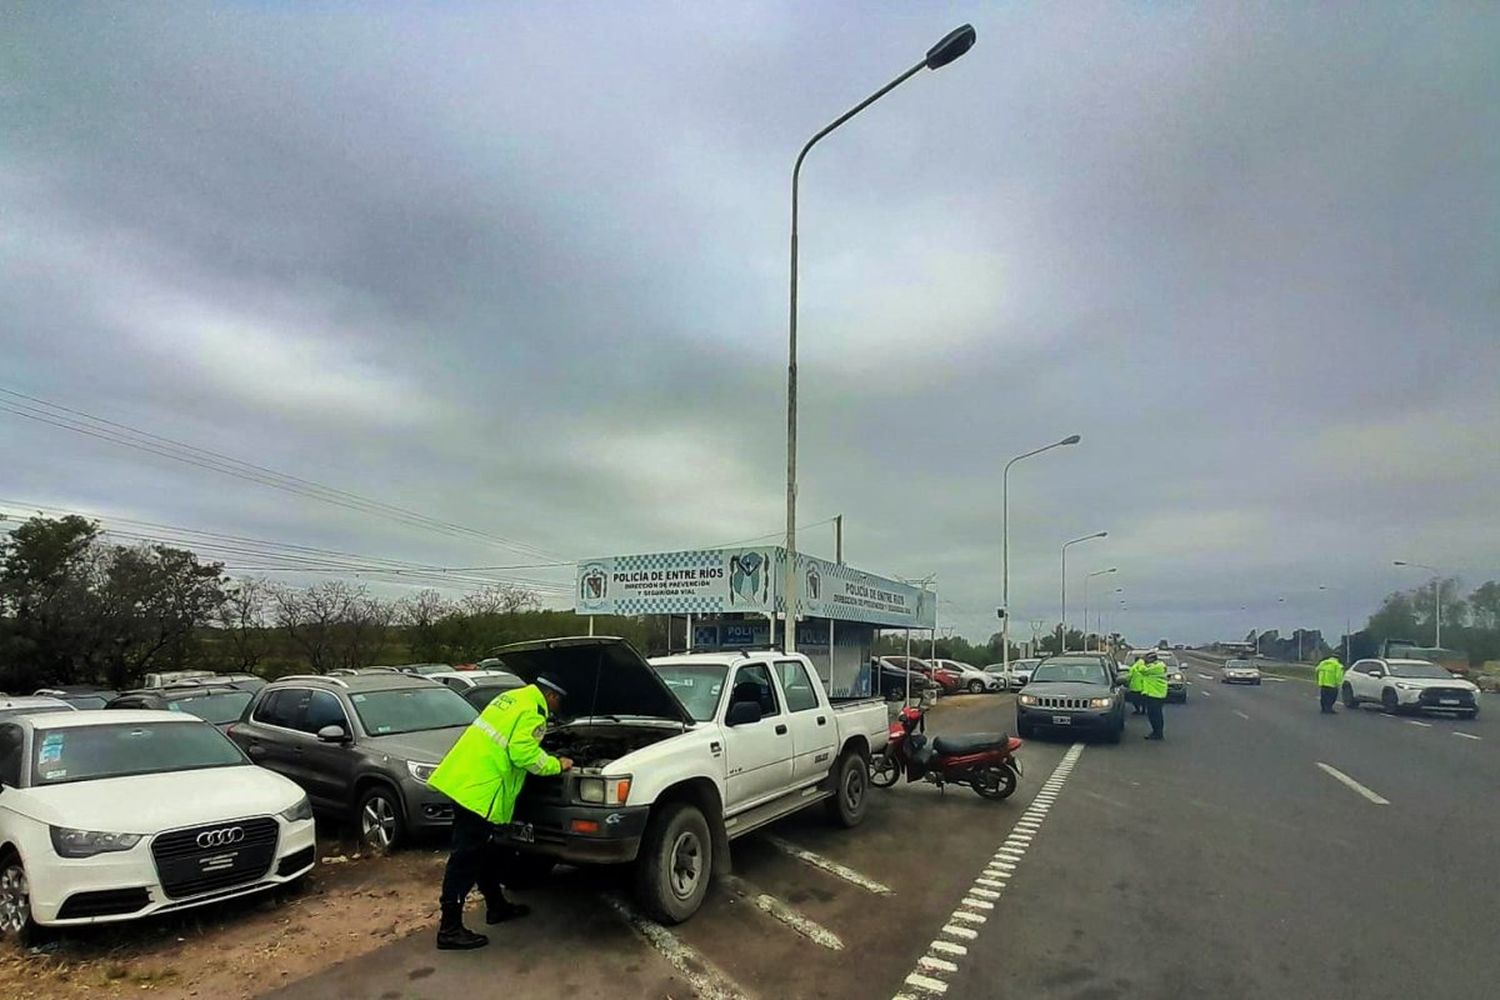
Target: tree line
75, 609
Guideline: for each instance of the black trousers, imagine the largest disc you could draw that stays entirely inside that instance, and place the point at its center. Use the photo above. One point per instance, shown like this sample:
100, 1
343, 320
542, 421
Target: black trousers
1153, 712
1326, 697
472, 861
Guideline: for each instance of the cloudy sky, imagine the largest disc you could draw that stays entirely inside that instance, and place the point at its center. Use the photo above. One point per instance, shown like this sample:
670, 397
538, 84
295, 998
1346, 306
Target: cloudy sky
522, 268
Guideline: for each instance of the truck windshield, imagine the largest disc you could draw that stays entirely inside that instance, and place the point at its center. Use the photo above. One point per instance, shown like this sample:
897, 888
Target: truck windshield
696, 685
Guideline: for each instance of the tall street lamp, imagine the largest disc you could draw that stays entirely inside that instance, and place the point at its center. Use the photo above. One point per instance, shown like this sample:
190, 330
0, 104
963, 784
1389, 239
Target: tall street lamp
1005, 545
1086, 579
1062, 627
953, 45
1437, 598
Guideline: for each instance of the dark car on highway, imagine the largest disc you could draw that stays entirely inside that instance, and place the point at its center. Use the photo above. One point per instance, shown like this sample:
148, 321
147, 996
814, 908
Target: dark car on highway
1072, 692
361, 746
220, 704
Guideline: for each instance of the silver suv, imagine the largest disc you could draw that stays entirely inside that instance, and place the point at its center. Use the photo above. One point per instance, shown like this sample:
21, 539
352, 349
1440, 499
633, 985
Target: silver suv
362, 747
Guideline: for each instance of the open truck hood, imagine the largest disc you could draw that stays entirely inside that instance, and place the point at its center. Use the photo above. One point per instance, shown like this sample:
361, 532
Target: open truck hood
603, 676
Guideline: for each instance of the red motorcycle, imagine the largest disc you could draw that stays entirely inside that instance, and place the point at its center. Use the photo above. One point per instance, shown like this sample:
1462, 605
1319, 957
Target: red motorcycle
986, 762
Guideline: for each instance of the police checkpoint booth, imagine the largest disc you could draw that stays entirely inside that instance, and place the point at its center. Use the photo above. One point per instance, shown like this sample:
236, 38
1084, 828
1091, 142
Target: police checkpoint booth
732, 599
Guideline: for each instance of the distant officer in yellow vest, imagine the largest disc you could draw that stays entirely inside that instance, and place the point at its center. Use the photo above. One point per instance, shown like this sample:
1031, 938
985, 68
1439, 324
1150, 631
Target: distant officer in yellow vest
1133, 691
1330, 675
483, 775
1153, 677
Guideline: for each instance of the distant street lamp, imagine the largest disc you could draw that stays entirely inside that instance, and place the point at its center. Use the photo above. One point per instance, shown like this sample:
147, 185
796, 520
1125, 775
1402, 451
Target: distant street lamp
1086, 579
1437, 598
1062, 626
952, 45
1005, 545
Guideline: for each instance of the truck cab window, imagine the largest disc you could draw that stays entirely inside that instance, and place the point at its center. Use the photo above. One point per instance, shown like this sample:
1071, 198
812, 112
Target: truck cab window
800, 695
753, 683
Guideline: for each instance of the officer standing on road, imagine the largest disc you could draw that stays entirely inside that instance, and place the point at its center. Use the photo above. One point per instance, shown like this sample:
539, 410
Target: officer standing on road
1330, 676
483, 775
1133, 690
1153, 678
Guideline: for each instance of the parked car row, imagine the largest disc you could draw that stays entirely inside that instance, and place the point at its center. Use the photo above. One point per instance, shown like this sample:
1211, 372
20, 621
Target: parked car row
939, 676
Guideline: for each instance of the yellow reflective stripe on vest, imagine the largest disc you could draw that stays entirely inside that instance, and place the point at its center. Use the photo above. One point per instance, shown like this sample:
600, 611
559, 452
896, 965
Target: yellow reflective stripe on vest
491, 732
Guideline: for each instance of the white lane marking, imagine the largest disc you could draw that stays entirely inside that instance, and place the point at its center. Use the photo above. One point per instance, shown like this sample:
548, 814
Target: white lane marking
701, 975
963, 923
1205, 694
830, 866
1207, 677
1467, 736
769, 904
1242, 715
1414, 722
1338, 775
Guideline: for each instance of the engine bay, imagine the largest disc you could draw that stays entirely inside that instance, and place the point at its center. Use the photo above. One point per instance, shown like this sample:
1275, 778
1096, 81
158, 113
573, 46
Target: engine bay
593, 747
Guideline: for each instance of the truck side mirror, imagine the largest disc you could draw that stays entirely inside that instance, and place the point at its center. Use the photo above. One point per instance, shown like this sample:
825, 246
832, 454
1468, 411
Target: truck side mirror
743, 713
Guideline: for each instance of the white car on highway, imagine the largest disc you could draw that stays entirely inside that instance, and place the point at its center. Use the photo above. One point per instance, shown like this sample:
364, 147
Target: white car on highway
970, 679
110, 815
1240, 672
1409, 686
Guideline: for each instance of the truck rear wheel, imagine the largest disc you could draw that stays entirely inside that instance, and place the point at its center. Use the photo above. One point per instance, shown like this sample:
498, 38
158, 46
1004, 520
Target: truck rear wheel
675, 864
851, 782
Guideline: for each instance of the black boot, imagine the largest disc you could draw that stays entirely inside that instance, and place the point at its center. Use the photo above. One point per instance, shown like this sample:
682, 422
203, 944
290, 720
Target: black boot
453, 935
498, 909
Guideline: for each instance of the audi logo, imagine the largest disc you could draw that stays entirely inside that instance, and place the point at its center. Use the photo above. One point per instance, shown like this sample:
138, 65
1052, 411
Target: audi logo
221, 838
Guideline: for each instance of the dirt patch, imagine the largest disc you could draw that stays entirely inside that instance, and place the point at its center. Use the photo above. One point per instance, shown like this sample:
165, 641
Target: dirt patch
348, 906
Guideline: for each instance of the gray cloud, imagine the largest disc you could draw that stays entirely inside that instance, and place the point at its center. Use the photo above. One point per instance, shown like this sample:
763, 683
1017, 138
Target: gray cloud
525, 270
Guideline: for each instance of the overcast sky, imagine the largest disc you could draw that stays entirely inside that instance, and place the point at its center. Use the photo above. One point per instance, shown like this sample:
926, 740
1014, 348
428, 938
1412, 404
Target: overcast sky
523, 267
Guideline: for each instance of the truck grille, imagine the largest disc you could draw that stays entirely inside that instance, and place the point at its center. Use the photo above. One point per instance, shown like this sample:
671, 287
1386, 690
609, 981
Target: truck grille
1056, 701
221, 856
1432, 696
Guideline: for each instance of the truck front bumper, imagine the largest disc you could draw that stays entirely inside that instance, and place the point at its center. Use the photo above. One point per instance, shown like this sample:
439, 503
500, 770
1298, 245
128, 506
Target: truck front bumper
577, 833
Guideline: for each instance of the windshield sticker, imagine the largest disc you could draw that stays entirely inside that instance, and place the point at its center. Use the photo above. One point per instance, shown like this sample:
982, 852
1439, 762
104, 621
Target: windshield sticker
382, 730
357, 698
51, 753
54, 774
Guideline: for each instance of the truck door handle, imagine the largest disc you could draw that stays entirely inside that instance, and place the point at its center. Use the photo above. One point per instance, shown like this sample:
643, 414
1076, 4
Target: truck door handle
781, 730
822, 720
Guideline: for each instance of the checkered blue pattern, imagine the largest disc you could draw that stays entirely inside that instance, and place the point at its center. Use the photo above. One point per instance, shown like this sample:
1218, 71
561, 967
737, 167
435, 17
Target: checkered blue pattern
688, 559
669, 605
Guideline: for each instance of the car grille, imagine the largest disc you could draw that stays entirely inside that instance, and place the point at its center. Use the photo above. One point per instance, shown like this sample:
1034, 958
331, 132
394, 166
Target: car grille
1431, 696
104, 903
1057, 701
220, 856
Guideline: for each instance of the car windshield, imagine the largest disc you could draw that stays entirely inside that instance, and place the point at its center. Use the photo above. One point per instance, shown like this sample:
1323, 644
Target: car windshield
411, 710
696, 685
87, 753
1236, 664
1422, 671
1073, 671
220, 707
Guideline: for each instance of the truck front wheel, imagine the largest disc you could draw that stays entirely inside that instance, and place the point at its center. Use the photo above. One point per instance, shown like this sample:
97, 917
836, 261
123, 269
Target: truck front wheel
675, 864
851, 782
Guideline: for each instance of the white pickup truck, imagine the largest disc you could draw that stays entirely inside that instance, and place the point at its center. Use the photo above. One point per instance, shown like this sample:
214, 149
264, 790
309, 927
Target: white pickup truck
675, 757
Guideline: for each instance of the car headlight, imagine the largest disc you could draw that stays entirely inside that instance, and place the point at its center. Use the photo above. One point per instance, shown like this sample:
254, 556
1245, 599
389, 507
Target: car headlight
87, 843
1177, 677
604, 791
1101, 702
420, 771
1027, 699
1405, 687
301, 811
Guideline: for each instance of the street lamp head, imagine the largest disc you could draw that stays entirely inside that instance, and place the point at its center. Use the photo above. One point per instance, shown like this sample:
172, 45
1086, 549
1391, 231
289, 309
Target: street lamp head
1102, 534
1071, 439
1401, 562
954, 44
1113, 569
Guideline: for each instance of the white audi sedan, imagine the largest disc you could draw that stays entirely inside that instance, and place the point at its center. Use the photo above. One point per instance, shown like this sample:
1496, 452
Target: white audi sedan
113, 815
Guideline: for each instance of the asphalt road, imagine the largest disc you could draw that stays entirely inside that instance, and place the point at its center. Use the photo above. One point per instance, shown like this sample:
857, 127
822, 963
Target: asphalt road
1222, 862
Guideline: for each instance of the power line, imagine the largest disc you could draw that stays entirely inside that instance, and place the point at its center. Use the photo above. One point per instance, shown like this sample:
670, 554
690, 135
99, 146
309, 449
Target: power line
100, 428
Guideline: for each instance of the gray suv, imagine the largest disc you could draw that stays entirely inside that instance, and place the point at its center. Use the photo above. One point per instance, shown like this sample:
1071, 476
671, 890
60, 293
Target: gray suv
362, 747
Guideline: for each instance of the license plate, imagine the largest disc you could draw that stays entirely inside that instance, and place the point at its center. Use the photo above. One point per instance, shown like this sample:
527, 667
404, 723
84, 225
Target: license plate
523, 832
1448, 701
1062, 720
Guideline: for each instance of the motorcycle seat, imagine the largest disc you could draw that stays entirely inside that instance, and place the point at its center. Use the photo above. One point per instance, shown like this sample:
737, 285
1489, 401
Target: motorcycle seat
969, 743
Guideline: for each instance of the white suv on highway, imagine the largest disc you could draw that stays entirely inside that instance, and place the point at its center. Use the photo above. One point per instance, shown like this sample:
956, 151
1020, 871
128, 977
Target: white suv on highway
110, 815
1409, 686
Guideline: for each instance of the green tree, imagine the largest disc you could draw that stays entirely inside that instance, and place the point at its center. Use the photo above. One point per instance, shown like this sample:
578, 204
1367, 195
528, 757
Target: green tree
153, 601
49, 603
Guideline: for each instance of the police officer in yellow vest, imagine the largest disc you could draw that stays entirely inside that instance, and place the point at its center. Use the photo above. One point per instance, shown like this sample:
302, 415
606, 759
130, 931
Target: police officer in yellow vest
1153, 681
1134, 687
483, 775
1330, 675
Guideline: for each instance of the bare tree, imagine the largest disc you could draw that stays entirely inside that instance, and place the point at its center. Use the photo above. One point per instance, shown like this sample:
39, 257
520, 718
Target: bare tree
367, 623
500, 599
245, 619
427, 617
312, 616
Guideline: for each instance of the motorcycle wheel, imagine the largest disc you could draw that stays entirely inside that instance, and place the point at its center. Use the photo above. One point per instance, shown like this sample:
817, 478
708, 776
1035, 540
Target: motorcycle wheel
996, 782
884, 771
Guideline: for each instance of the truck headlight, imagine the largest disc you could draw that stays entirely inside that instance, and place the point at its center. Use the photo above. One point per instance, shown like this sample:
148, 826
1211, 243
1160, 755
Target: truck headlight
87, 843
1101, 702
301, 811
604, 791
420, 771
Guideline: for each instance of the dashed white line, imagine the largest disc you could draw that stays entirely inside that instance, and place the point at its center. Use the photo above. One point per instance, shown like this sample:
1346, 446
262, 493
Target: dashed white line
970, 914
1340, 776
1467, 736
1414, 722
1242, 715
1207, 677
830, 866
700, 974
769, 904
